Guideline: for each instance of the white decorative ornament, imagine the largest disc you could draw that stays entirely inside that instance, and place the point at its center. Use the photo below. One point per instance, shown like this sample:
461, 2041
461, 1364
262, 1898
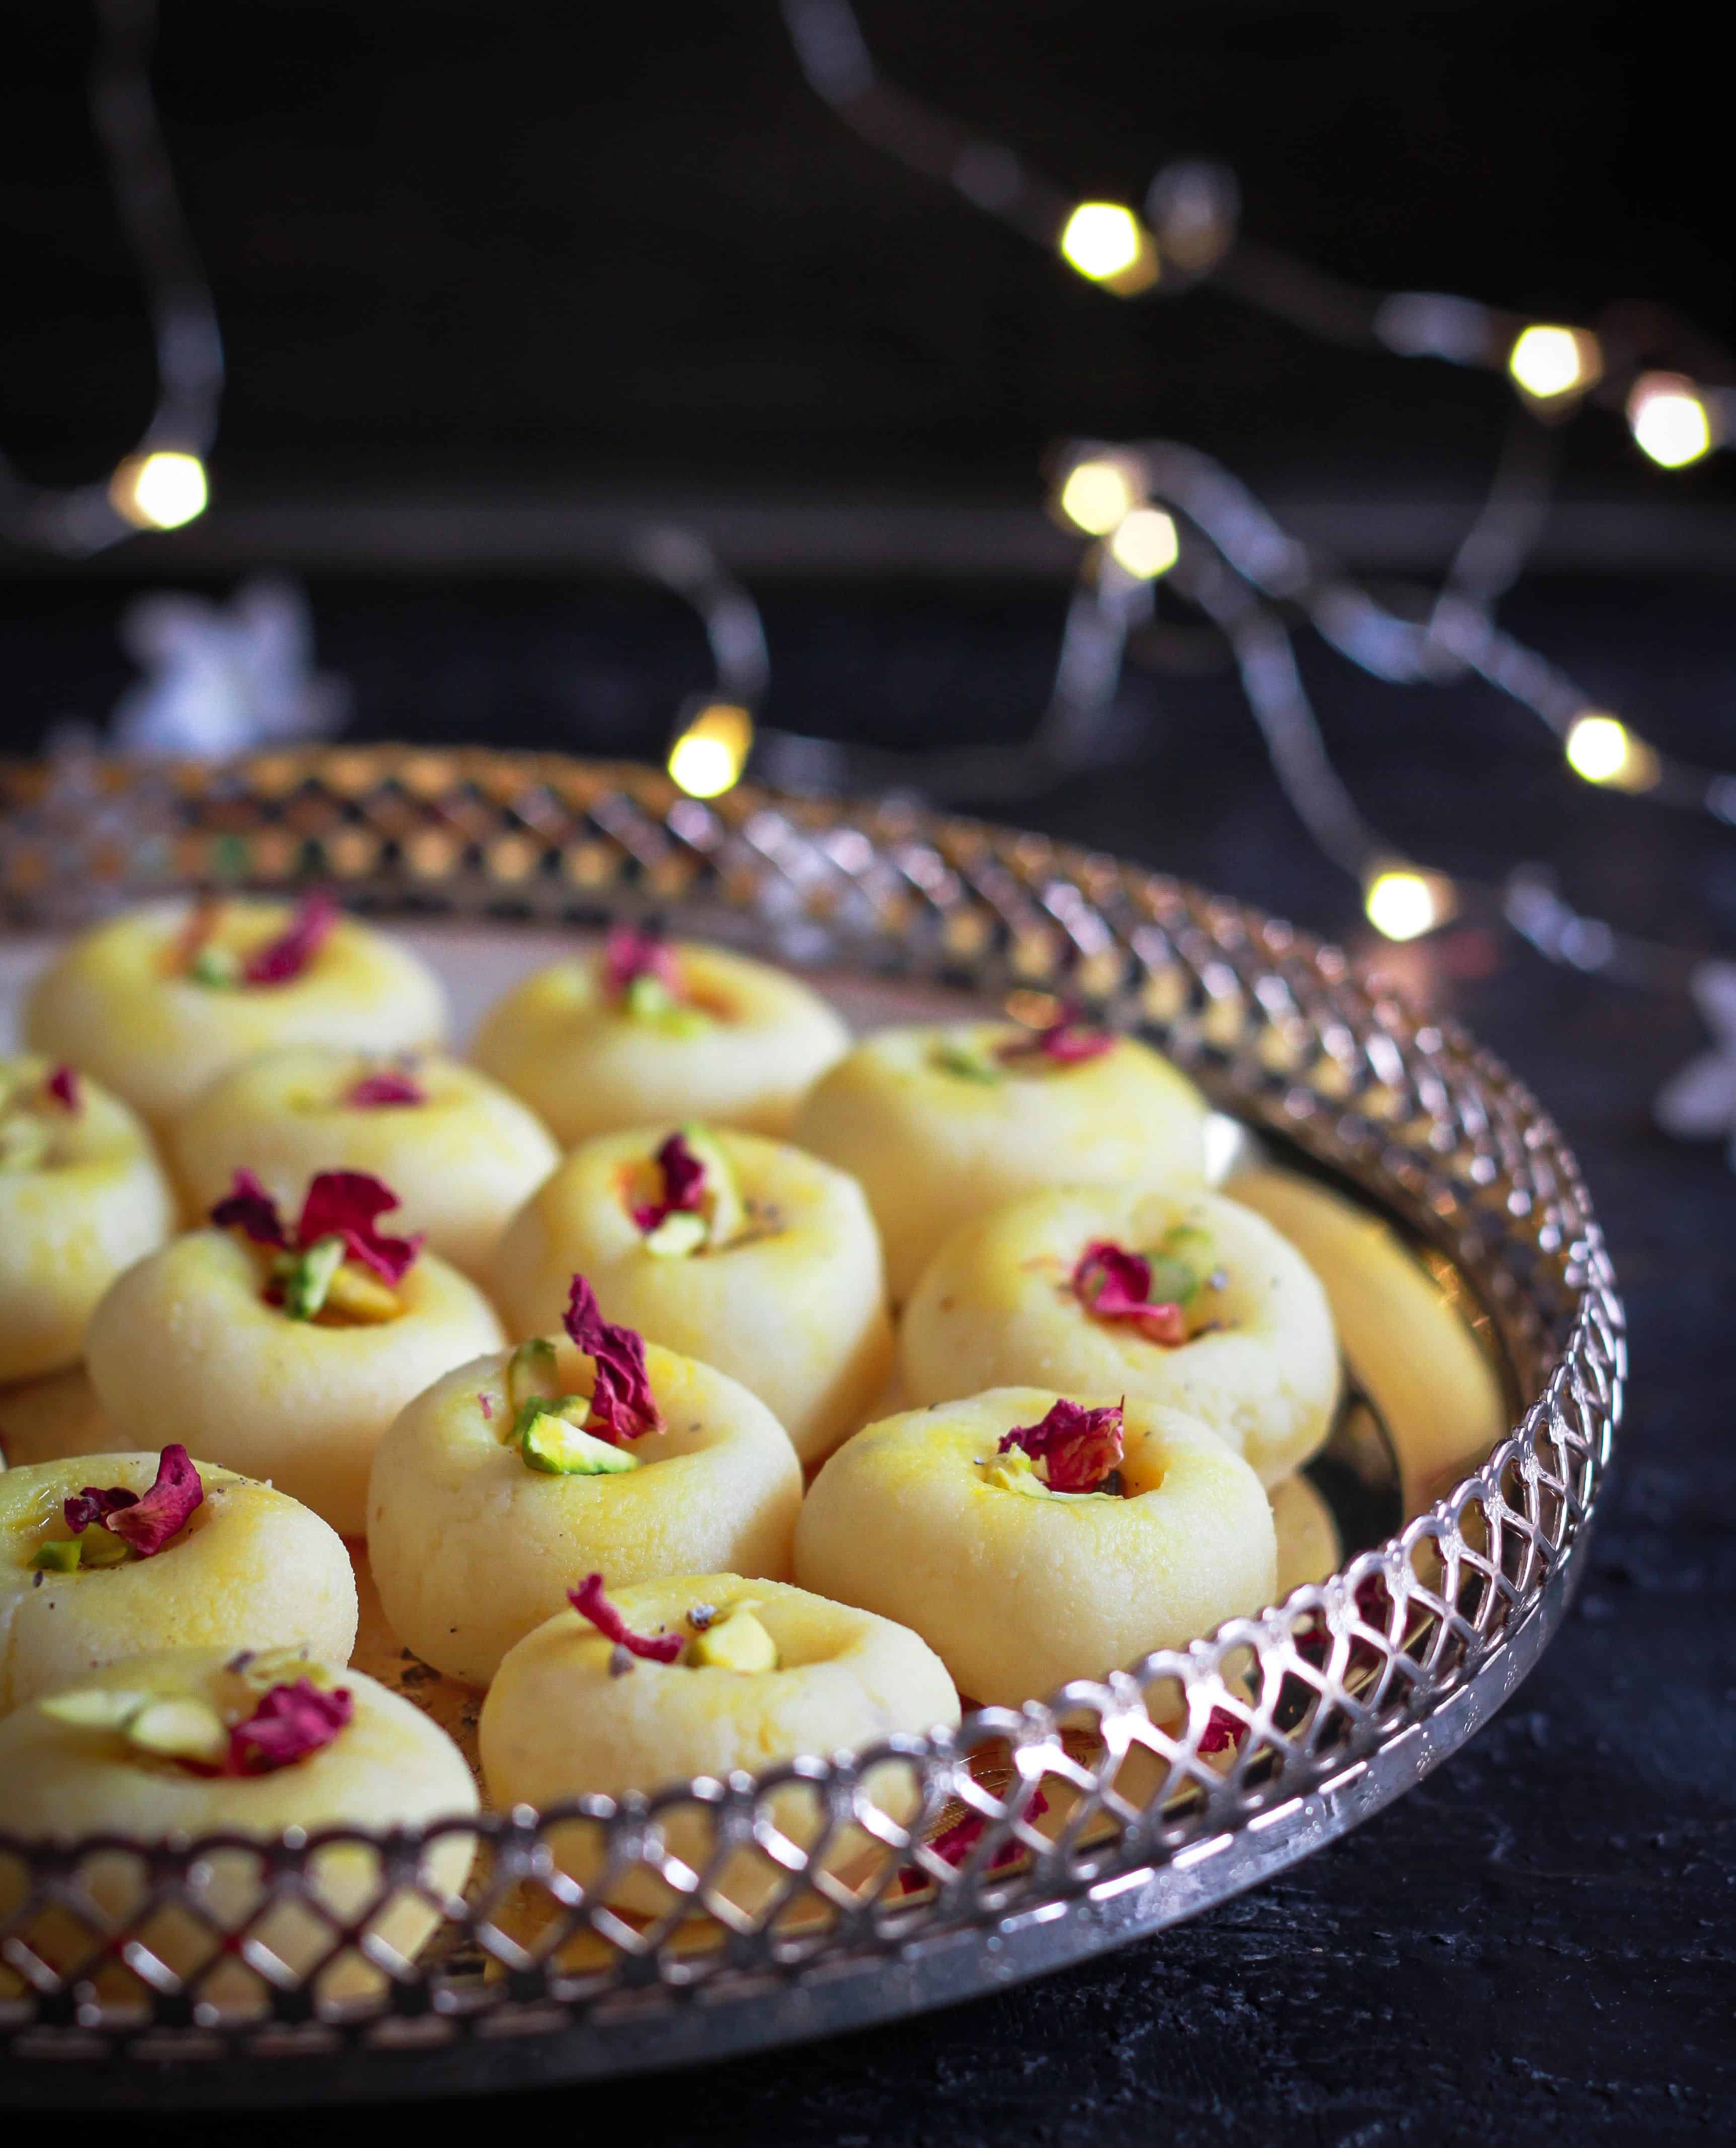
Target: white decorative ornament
1700, 1103
221, 680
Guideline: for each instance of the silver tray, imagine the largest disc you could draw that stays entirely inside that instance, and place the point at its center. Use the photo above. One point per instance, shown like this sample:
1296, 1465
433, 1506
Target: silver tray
1344, 1696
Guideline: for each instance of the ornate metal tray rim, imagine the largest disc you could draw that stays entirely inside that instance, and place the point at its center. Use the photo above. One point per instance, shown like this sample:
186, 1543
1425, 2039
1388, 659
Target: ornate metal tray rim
1400, 1656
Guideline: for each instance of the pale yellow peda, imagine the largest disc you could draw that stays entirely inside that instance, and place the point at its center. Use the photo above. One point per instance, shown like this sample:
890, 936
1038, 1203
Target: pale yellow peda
186, 1347
1018, 1592
461, 1159
996, 1306
114, 1000
81, 1196
471, 1548
250, 1569
561, 1717
389, 1766
938, 1129
793, 1305
741, 1050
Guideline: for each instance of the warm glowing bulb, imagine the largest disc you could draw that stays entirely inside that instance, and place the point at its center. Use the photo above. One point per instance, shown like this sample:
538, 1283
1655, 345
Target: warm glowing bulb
1108, 244
1145, 543
159, 491
1669, 420
709, 756
1097, 496
1547, 362
1404, 902
1603, 750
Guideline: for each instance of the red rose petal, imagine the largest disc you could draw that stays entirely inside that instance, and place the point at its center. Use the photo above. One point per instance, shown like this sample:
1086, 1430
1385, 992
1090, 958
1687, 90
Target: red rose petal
148, 1524
94, 1504
62, 1086
343, 1204
622, 1406
290, 1722
684, 1184
1114, 1284
954, 1844
392, 1085
1223, 1730
589, 1601
250, 1207
1077, 1447
290, 953
1064, 1043
630, 952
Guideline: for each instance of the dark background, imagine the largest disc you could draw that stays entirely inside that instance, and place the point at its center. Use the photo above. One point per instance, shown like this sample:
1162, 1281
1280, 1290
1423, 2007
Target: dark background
476, 261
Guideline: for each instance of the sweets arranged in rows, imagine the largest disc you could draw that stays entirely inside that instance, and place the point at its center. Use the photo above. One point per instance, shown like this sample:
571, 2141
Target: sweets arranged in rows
565, 1334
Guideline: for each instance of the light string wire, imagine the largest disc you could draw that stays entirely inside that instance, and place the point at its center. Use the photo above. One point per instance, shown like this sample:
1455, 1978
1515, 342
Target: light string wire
161, 483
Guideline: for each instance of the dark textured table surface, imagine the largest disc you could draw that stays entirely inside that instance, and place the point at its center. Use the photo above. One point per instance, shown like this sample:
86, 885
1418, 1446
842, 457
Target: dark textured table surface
1538, 1943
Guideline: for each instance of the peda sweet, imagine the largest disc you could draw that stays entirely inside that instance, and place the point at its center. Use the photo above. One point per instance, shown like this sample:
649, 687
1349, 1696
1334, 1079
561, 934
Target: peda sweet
159, 1001
187, 1743
647, 1029
1031, 1538
489, 1499
81, 1196
744, 1252
247, 1566
716, 1672
1183, 1298
279, 1351
1407, 1327
941, 1124
463, 1153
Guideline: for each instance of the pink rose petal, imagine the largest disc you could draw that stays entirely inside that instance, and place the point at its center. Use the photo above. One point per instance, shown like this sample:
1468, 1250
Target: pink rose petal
1077, 1447
589, 1601
290, 1722
684, 1184
630, 952
62, 1086
249, 1207
391, 1085
1114, 1284
1064, 1043
148, 1524
290, 953
94, 1504
345, 1204
622, 1406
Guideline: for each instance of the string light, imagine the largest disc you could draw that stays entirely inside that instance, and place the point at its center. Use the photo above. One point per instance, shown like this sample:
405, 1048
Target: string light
1145, 543
1601, 748
159, 491
1549, 362
1668, 418
1403, 902
709, 756
1098, 495
1107, 245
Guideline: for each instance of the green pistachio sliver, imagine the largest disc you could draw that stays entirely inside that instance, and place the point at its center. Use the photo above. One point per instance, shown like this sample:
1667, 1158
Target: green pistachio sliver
1173, 1282
98, 1547
308, 1277
531, 1376
969, 1064
215, 966
646, 997
558, 1447
96, 1708
681, 1232
179, 1729
725, 1212
59, 1555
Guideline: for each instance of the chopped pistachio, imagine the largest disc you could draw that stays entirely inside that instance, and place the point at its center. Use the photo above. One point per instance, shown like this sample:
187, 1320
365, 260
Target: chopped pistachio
214, 965
647, 998
307, 1276
681, 1232
737, 1642
530, 1375
970, 1063
99, 1546
180, 1729
23, 1143
726, 1216
1181, 1262
59, 1555
261, 1670
95, 1709
558, 1447
361, 1296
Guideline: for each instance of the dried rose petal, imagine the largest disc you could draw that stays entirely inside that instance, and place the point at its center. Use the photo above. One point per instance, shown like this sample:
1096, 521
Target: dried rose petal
148, 1524
250, 1207
62, 1086
391, 1085
1222, 1731
630, 952
954, 1844
684, 1184
290, 953
290, 1722
94, 1504
343, 1204
622, 1406
589, 1601
1077, 1447
1114, 1284
1064, 1043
